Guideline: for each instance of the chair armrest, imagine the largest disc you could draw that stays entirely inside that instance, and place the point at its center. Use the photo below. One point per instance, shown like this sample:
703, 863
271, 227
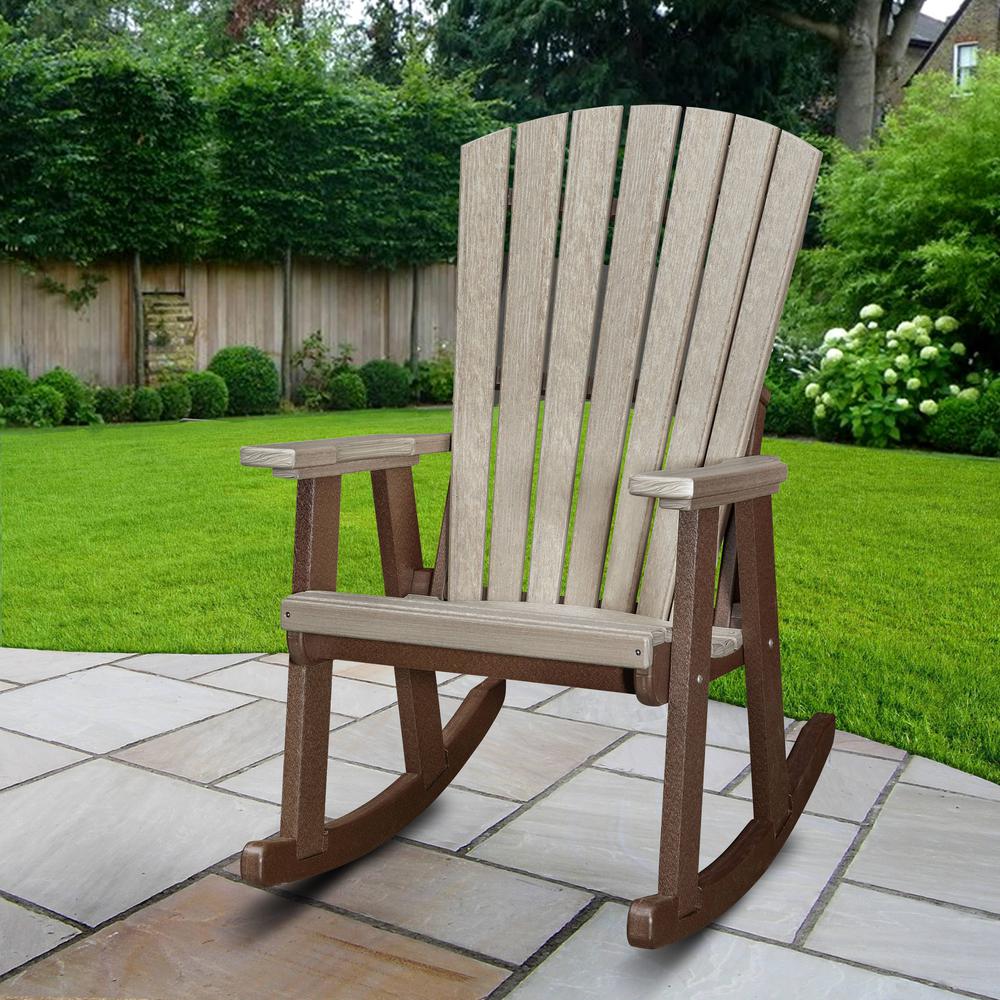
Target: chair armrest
712, 486
333, 456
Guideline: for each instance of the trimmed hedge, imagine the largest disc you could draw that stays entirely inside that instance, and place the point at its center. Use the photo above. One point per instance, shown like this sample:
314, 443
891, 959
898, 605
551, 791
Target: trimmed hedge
41, 406
13, 384
387, 383
147, 404
176, 399
346, 391
251, 378
114, 403
789, 413
79, 397
209, 395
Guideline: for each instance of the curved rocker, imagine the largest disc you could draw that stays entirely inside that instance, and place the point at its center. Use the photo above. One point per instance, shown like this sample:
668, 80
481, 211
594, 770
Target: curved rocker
654, 921
271, 862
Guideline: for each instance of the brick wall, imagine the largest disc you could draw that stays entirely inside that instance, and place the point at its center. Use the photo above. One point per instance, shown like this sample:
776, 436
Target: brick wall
979, 22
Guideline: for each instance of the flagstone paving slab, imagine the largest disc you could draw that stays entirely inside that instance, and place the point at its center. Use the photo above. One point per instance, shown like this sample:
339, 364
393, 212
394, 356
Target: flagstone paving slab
851, 743
217, 940
487, 910
931, 774
269, 680
22, 757
6, 685
596, 963
952, 947
100, 837
24, 666
107, 707
643, 755
25, 934
936, 844
219, 746
518, 694
183, 666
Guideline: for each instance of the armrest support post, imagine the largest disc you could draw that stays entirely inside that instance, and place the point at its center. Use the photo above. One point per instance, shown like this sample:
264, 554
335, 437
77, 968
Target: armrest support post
317, 534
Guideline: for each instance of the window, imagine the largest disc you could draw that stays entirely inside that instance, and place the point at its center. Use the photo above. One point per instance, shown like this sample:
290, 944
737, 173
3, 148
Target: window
966, 57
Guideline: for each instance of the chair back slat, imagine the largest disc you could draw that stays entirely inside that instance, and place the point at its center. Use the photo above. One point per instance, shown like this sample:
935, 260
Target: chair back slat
482, 219
649, 150
691, 209
590, 181
539, 154
678, 333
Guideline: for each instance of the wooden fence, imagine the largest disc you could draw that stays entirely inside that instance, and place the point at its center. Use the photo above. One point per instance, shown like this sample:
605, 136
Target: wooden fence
231, 304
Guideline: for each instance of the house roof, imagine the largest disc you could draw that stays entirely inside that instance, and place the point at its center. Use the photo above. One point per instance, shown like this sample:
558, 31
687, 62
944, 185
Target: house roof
927, 31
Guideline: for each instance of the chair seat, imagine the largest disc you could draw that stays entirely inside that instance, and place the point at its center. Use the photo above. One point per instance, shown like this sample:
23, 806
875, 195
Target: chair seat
548, 631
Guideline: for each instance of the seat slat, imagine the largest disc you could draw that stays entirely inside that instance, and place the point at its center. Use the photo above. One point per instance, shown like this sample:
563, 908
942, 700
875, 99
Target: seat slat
538, 161
482, 220
741, 201
649, 149
590, 179
691, 208
557, 632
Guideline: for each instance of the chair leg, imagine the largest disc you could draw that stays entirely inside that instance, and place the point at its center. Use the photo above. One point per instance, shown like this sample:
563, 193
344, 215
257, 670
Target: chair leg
687, 899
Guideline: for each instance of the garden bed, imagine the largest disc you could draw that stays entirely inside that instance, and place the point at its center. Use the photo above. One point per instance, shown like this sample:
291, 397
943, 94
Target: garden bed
153, 538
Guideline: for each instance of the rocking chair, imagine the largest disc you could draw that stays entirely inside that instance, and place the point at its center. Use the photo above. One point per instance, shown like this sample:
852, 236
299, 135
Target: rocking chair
678, 334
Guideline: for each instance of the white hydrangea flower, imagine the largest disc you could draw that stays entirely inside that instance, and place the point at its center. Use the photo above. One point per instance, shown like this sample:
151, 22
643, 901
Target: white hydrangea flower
857, 330
928, 407
852, 344
833, 335
903, 403
812, 390
833, 355
923, 322
957, 348
890, 376
954, 389
929, 353
913, 384
901, 360
820, 411
946, 324
826, 399
906, 328
873, 325
922, 339
971, 393
892, 344
871, 311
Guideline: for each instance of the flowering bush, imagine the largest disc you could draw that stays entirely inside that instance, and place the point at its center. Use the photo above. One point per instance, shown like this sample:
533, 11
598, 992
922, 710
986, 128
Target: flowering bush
877, 385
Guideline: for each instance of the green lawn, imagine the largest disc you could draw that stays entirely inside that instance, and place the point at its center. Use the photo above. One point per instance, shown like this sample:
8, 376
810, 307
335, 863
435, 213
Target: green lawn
143, 538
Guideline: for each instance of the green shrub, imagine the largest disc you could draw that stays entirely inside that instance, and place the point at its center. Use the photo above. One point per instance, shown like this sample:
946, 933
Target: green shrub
955, 426
346, 391
79, 397
878, 387
387, 383
147, 404
209, 395
251, 378
41, 406
435, 379
114, 403
176, 399
789, 413
13, 383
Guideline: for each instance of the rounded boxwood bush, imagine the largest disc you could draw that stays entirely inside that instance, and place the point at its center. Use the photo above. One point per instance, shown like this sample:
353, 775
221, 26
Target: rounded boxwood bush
176, 399
955, 426
346, 391
387, 383
13, 384
251, 378
114, 403
147, 404
40, 406
79, 397
209, 395
789, 413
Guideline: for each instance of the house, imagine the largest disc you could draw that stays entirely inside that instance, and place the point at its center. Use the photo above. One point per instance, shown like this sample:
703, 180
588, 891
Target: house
973, 28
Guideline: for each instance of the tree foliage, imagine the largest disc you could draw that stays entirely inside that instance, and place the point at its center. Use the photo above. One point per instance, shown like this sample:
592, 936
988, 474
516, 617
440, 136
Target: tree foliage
914, 222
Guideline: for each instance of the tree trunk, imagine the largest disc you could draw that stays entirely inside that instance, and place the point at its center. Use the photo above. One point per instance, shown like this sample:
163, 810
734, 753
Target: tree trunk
286, 324
856, 75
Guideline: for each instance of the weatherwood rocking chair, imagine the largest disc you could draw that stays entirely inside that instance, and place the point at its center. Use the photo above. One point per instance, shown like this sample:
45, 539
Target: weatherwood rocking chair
679, 333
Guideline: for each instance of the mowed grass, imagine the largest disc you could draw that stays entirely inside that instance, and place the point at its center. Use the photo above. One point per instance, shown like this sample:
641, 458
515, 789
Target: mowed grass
153, 538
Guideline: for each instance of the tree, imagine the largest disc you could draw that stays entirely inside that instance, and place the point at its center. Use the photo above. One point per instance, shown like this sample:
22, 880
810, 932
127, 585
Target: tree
869, 38
244, 14
542, 58
386, 51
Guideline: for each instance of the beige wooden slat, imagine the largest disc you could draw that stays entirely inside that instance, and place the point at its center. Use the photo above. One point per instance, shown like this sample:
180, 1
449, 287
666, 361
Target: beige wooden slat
789, 196
649, 149
741, 200
539, 154
482, 218
590, 181
691, 208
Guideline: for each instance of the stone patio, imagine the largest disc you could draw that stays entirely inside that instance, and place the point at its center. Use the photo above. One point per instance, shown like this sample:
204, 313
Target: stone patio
128, 785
